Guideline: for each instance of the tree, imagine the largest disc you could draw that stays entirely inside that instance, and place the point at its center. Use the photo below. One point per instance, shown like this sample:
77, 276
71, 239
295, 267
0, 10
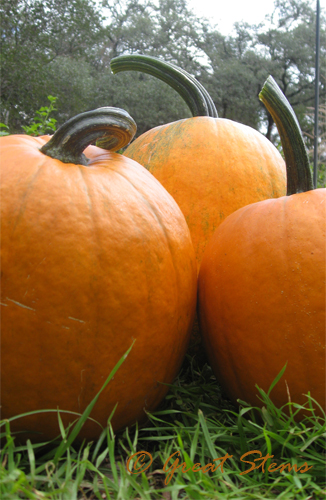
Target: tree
64, 48
233, 73
290, 54
130, 28
34, 36
283, 47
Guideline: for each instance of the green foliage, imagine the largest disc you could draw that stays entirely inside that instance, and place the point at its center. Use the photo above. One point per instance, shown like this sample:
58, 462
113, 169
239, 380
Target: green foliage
321, 175
64, 48
42, 122
4, 129
34, 34
198, 423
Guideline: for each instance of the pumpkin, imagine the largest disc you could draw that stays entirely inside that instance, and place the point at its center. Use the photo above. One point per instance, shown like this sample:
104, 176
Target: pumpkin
95, 255
211, 166
261, 285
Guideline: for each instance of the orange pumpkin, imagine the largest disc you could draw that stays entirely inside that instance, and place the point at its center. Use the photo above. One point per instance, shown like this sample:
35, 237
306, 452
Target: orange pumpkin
262, 284
95, 254
211, 166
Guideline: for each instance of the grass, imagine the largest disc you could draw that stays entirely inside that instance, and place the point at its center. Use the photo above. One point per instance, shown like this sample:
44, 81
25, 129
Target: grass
196, 424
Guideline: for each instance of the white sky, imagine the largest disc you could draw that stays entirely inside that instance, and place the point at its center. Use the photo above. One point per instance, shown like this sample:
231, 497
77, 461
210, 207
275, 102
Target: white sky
225, 13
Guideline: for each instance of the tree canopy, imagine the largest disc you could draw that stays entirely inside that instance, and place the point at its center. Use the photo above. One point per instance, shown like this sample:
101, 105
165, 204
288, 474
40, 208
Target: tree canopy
63, 48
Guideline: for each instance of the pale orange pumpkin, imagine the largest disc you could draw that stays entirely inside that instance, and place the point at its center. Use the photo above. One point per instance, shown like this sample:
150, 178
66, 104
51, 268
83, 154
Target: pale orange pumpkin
211, 166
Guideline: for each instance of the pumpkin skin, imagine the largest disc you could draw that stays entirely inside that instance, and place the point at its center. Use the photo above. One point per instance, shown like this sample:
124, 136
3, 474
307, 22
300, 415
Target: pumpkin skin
93, 257
261, 286
262, 299
211, 167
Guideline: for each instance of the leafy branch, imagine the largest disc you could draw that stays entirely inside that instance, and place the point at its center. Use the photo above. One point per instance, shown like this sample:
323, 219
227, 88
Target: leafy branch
42, 122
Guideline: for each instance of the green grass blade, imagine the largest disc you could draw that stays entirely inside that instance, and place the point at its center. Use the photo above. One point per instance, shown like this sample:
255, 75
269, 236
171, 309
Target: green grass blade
277, 378
75, 431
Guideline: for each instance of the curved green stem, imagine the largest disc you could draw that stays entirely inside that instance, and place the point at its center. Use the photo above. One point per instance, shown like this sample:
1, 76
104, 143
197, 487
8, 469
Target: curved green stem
297, 164
192, 92
212, 111
113, 128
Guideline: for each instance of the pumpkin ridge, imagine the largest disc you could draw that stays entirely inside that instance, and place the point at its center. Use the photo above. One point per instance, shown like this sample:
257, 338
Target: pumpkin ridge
155, 212
152, 207
27, 192
95, 232
86, 190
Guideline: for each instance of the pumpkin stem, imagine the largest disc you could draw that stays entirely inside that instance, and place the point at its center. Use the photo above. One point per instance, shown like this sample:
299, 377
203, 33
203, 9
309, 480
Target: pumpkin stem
113, 128
296, 158
192, 92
